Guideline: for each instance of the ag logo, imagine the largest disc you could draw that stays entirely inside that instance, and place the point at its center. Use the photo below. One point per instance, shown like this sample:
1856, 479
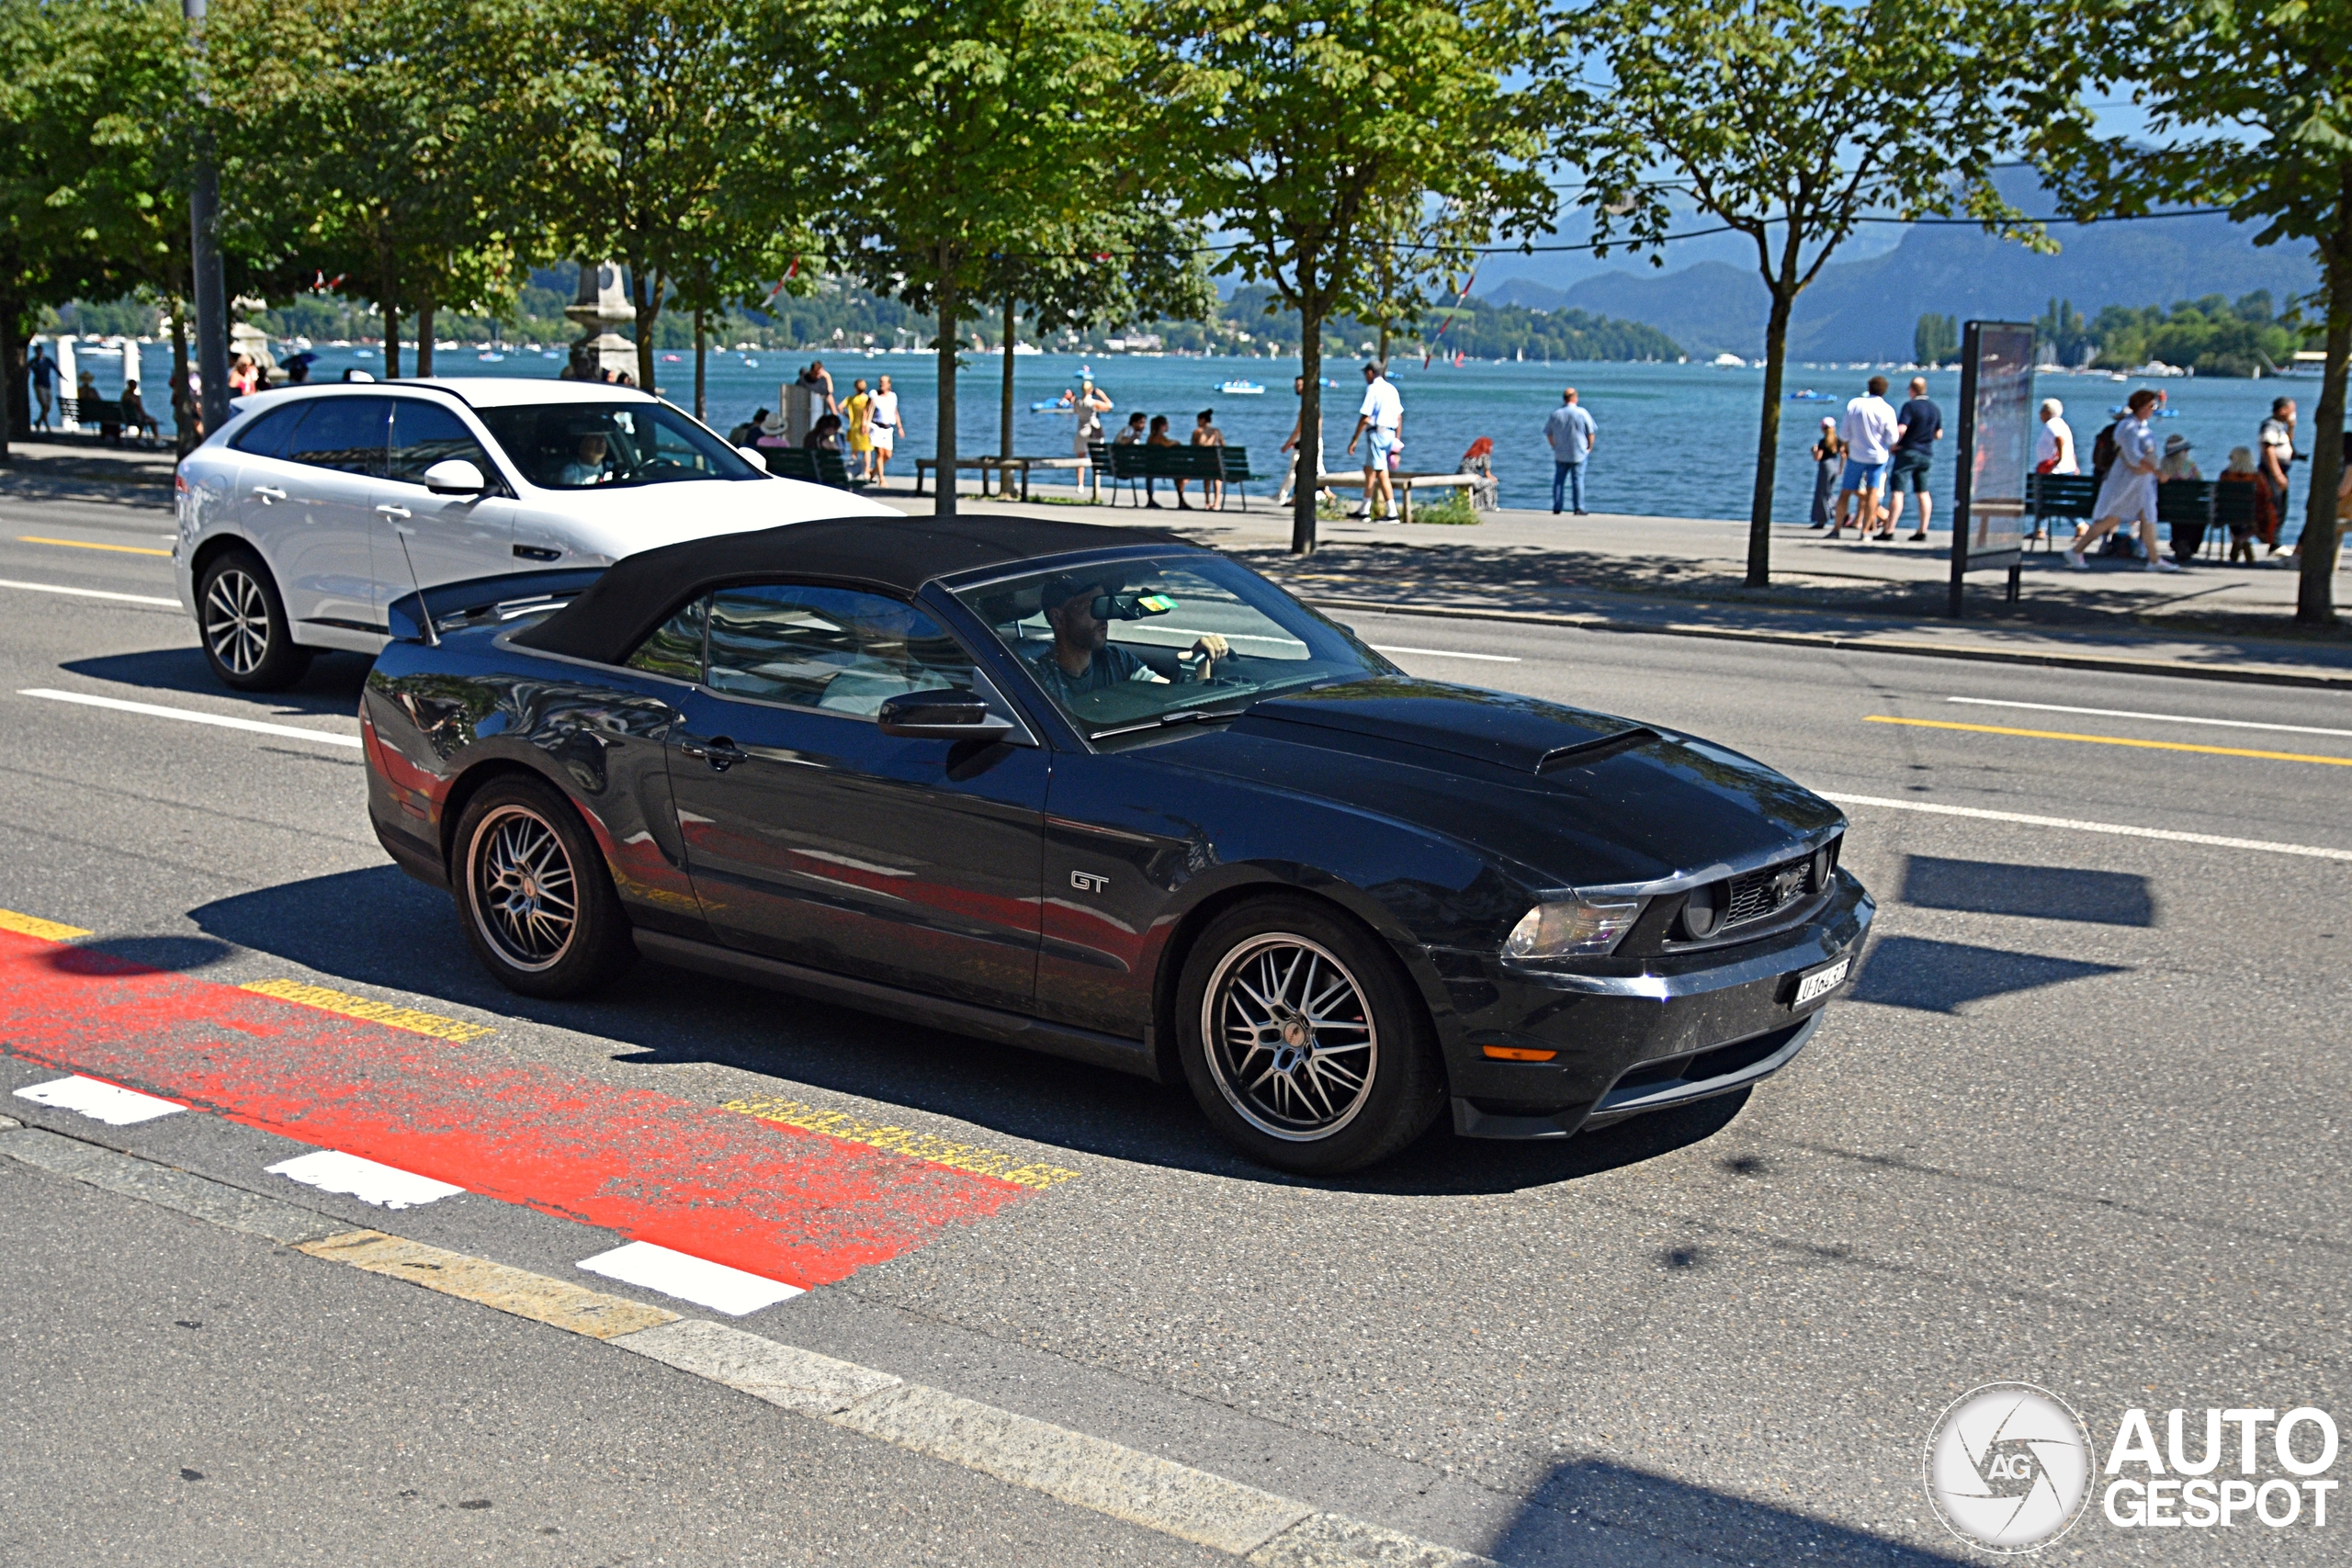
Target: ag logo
2008, 1467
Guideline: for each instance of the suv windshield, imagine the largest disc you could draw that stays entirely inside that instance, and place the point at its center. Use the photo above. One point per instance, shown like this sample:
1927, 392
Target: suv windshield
588, 446
1123, 645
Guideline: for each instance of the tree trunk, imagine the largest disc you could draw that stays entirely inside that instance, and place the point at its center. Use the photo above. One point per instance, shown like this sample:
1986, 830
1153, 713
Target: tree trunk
183, 405
12, 367
1004, 439
2315, 556
1305, 491
426, 311
944, 499
1767, 443
392, 313
702, 369
645, 294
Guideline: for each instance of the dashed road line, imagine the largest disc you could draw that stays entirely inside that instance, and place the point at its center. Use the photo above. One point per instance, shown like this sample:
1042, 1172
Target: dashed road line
87, 545
91, 593
926, 1146
1448, 653
189, 715
738, 1293
383, 1185
2152, 717
2119, 829
2109, 741
100, 1102
391, 1014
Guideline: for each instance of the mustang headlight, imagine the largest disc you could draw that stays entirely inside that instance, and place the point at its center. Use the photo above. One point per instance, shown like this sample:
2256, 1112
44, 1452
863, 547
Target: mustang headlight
1574, 927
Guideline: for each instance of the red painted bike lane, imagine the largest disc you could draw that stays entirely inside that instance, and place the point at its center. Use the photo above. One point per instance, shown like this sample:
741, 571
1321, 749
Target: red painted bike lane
795, 1206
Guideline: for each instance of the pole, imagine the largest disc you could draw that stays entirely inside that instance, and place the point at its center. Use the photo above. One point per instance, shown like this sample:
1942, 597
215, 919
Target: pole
211, 299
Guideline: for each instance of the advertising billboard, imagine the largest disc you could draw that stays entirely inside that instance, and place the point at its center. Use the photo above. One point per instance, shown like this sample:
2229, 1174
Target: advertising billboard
1996, 430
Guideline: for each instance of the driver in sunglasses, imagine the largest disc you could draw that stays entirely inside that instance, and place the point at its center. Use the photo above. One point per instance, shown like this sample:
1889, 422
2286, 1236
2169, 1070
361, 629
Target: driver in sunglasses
1080, 608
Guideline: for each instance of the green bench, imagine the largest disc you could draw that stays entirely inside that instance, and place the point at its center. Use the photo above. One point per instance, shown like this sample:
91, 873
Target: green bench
814, 465
1133, 463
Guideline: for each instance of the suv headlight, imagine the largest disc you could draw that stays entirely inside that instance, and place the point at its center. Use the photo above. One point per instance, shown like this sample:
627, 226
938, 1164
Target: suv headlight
1574, 927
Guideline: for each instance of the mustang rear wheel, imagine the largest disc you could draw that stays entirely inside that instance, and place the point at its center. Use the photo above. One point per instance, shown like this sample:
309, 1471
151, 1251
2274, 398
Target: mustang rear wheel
243, 624
1302, 1041
538, 903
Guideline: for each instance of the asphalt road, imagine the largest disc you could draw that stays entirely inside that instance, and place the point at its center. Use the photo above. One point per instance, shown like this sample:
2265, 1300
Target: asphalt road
2080, 1125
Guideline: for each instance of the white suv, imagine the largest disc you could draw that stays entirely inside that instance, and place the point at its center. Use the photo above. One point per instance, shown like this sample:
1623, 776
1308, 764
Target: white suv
311, 509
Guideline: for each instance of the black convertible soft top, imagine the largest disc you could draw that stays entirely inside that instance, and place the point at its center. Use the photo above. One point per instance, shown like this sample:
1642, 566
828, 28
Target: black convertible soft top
896, 554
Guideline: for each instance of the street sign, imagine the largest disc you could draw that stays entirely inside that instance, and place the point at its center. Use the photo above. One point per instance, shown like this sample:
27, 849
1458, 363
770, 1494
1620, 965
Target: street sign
1988, 522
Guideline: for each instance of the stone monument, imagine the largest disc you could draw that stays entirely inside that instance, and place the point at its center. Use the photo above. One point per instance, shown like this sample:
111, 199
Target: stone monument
598, 308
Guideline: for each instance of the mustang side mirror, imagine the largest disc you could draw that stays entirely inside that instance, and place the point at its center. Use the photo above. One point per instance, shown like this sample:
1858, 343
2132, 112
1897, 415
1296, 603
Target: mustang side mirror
942, 716
754, 457
454, 475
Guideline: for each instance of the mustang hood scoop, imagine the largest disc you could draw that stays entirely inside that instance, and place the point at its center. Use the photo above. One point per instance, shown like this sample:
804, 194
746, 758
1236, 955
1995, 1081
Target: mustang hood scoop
1521, 734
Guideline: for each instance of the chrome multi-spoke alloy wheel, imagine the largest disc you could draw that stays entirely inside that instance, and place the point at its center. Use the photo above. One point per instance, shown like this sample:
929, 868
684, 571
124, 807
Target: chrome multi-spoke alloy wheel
236, 621
524, 894
1290, 1036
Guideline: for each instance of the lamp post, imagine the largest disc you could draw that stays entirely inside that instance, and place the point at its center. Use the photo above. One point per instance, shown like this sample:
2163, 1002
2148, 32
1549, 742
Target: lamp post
211, 300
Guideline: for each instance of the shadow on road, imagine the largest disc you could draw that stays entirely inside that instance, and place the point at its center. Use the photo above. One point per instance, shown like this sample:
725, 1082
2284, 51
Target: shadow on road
2040, 892
1938, 976
380, 928
331, 685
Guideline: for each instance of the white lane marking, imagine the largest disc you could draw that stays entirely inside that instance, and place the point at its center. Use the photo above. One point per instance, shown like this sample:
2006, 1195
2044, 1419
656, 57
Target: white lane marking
1448, 653
154, 710
92, 593
111, 1104
714, 1285
2158, 717
387, 1187
2265, 845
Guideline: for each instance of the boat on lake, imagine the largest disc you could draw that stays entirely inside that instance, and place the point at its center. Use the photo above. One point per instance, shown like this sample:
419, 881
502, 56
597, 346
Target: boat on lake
1241, 388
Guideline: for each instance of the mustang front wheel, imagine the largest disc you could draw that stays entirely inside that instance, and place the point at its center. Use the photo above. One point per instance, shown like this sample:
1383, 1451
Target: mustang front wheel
538, 903
1302, 1041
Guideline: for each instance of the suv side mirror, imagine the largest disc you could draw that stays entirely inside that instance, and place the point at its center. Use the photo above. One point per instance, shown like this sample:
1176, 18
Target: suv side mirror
754, 457
454, 475
946, 715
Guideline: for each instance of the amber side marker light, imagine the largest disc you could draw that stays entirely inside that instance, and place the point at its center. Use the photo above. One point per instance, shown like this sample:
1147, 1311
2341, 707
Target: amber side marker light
1516, 1053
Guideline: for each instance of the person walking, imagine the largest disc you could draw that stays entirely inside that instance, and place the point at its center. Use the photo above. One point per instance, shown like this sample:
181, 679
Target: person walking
884, 427
2277, 445
1869, 443
2128, 494
1091, 403
1571, 434
1829, 459
1918, 425
1380, 425
857, 411
43, 370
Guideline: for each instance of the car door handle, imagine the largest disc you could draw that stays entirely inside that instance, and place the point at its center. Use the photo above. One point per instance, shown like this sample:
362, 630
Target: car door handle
394, 510
269, 493
719, 752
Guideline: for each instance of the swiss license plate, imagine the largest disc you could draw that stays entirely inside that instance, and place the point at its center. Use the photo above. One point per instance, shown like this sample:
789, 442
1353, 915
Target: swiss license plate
1821, 982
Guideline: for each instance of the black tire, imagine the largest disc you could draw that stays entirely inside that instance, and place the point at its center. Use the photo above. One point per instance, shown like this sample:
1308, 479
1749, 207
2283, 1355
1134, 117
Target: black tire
1347, 1079
534, 894
242, 623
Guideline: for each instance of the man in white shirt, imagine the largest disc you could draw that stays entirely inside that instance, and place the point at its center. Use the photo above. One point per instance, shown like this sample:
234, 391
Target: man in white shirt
883, 423
1382, 419
1869, 443
2128, 493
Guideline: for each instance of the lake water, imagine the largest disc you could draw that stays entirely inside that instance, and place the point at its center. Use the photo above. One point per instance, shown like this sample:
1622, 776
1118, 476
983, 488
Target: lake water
1676, 440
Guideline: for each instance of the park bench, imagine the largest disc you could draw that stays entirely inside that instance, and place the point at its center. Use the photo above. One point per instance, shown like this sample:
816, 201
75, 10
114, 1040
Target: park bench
1404, 482
814, 465
2060, 497
2185, 506
1133, 462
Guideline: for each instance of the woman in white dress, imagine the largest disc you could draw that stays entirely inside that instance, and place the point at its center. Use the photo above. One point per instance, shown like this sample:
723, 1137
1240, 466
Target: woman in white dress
2128, 493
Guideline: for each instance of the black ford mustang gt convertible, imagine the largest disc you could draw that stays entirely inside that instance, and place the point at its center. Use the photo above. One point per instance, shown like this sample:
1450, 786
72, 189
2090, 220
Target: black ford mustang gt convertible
1108, 795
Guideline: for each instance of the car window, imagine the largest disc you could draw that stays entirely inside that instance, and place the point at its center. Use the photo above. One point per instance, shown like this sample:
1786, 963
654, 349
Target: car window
675, 647
1118, 644
586, 446
425, 434
344, 433
833, 648
265, 438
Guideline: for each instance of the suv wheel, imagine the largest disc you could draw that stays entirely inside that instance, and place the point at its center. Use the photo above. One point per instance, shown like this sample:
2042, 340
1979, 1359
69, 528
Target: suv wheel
535, 896
1302, 1040
242, 623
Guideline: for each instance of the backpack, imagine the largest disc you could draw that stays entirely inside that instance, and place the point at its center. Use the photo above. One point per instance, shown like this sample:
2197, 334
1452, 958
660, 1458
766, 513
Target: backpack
2103, 453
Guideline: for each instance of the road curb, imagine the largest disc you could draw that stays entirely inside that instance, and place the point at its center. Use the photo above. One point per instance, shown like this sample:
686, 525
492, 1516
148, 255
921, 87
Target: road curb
1159, 1494
2263, 675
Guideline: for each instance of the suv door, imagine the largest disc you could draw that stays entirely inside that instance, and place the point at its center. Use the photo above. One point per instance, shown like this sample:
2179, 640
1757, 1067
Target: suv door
320, 552
813, 837
450, 538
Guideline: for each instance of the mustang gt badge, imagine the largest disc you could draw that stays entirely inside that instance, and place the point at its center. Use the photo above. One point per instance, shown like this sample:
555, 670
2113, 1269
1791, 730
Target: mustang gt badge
1087, 882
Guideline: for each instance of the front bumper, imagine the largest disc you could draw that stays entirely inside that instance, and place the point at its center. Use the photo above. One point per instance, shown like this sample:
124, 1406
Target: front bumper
1624, 1044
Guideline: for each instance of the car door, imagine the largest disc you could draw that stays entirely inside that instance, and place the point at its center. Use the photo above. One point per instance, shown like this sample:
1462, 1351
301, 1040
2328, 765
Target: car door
322, 551
814, 838
442, 538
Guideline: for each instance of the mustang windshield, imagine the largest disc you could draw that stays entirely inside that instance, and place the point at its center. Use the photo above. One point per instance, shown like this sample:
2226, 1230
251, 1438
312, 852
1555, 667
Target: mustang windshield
595, 446
1128, 644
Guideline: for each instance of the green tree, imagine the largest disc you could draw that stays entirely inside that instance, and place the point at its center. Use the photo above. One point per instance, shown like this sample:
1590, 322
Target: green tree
2248, 106
1788, 122
1305, 129
1936, 340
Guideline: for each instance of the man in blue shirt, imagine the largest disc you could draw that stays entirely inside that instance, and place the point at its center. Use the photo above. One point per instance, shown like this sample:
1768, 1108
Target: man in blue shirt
1572, 435
1918, 425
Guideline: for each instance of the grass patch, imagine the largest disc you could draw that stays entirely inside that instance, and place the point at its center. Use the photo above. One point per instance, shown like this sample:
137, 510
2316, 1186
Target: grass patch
1454, 509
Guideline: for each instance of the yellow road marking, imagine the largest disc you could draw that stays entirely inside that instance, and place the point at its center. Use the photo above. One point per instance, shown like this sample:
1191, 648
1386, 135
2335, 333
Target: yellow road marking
517, 1290
2111, 740
388, 1013
86, 545
899, 1140
33, 925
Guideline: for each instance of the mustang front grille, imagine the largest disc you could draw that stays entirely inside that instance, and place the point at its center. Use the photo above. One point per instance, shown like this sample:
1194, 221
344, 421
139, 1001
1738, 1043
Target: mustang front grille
1767, 892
